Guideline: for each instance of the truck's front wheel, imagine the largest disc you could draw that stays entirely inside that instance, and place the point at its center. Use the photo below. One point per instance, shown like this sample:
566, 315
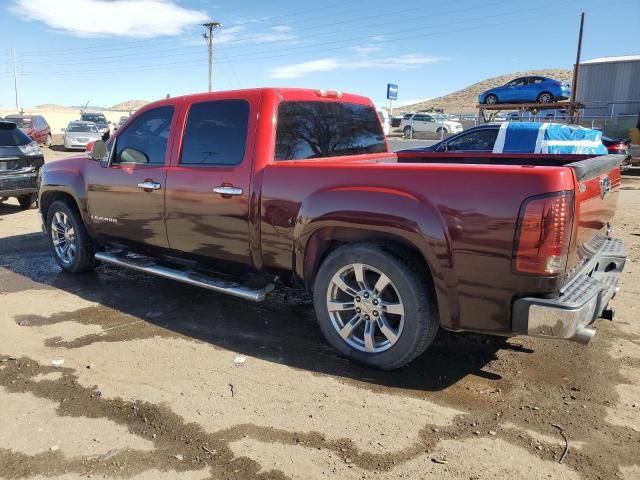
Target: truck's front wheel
69, 241
373, 307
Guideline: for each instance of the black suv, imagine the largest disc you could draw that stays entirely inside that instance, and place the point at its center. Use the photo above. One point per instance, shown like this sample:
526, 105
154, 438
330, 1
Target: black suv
20, 162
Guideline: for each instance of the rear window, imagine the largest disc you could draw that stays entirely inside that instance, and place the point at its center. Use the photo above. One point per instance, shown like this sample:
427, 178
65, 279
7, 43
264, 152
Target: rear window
10, 136
327, 129
79, 127
89, 117
21, 122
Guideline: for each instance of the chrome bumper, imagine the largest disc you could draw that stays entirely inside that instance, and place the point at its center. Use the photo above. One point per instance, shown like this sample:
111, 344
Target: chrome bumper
581, 301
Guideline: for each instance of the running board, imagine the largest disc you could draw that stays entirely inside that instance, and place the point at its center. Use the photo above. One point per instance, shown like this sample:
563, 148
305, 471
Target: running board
148, 265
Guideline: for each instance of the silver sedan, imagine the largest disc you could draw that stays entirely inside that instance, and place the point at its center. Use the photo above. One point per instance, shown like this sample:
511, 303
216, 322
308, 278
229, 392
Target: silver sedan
79, 133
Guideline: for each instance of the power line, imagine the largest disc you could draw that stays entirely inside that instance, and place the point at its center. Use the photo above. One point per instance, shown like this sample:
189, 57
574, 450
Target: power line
250, 57
244, 41
133, 44
224, 47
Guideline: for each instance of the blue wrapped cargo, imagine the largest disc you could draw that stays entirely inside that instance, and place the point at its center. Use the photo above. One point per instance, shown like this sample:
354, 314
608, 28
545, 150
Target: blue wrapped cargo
536, 137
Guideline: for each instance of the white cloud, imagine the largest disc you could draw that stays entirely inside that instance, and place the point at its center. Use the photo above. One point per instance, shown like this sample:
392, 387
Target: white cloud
99, 18
282, 28
366, 49
402, 62
298, 70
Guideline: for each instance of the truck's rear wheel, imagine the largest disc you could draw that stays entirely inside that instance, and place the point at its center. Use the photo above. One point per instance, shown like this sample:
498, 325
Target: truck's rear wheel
374, 308
69, 241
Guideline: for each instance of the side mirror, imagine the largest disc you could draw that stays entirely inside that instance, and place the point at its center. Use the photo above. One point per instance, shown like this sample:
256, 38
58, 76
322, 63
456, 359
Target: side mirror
97, 150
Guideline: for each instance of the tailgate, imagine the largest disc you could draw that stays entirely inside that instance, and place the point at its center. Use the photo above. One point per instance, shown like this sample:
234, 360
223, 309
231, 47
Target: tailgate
598, 186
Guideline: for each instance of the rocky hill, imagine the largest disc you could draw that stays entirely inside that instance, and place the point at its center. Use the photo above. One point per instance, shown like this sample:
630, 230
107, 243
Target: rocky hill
467, 98
129, 105
51, 106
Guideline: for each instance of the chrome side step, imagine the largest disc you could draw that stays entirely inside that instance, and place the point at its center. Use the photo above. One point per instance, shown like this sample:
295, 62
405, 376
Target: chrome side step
148, 265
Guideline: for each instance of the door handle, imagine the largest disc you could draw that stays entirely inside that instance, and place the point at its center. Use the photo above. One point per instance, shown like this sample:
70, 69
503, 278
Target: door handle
228, 190
149, 185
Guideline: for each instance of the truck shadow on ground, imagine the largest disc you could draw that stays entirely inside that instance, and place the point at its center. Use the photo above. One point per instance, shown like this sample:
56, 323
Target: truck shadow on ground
282, 329
9, 209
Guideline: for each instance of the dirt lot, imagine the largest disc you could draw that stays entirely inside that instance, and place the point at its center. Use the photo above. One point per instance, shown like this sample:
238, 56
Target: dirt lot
150, 389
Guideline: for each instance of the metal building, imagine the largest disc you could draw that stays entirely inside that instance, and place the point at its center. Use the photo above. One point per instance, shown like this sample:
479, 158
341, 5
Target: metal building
609, 87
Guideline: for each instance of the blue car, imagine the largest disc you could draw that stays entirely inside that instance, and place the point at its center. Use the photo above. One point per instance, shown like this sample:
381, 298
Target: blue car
527, 89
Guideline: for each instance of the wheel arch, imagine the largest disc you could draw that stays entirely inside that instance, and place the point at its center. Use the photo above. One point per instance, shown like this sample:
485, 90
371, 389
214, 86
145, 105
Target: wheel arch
419, 235
48, 197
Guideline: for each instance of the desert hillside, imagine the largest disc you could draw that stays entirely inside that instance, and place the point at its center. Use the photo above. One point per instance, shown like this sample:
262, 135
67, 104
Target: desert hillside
129, 105
467, 98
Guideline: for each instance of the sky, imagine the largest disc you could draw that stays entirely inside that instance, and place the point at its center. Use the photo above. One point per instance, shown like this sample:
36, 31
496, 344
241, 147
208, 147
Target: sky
70, 52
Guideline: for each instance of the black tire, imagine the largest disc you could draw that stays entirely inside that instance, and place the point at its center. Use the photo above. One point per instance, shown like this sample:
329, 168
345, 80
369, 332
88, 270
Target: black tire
83, 259
49, 141
415, 292
545, 97
442, 130
27, 201
491, 99
408, 132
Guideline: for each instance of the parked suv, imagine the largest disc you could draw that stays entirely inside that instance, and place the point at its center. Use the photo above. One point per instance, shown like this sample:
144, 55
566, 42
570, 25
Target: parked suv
20, 162
100, 120
35, 126
429, 122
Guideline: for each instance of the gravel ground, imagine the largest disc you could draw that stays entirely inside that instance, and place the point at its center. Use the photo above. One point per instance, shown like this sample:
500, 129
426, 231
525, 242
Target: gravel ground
116, 374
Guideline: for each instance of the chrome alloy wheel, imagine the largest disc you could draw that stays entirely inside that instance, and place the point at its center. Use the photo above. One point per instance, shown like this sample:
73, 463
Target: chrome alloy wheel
63, 237
365, 308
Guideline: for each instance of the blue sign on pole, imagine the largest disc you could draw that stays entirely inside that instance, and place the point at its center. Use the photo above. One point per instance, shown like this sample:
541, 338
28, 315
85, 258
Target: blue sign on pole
392, 91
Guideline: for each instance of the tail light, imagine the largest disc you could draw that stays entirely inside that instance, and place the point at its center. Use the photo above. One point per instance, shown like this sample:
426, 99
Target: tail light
89, 149
543, 234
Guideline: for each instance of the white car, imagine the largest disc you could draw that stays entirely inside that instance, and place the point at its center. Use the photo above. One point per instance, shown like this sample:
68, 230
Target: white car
79, 133
429, 122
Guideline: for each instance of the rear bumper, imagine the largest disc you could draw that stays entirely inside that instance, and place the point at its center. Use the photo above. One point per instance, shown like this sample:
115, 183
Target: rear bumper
581, 301
18, 184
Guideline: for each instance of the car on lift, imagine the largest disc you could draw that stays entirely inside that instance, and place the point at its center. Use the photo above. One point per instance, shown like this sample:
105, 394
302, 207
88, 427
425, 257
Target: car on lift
527, 89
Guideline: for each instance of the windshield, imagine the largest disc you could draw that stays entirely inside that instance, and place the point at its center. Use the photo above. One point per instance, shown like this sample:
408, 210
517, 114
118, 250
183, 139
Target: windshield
20, 122
10, 136
81, 127
87, 117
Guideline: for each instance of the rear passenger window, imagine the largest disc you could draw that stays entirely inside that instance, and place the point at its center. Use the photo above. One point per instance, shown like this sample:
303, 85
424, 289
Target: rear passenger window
327, 129
145, 139
216, 133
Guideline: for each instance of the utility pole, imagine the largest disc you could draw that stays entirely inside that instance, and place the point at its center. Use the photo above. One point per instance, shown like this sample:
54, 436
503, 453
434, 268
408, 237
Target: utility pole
208, 36
15, 79
574, 85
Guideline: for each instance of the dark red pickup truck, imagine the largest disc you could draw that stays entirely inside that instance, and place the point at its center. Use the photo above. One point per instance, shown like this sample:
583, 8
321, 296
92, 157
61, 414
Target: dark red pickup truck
298, 186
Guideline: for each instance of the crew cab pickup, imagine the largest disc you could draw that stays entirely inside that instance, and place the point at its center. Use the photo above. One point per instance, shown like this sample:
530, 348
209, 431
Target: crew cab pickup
297, 186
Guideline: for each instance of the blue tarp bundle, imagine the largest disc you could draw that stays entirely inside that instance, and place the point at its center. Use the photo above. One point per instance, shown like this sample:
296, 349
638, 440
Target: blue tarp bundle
535, 137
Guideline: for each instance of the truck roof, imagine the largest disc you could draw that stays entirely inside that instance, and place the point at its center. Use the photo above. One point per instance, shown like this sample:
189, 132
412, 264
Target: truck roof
299, 94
